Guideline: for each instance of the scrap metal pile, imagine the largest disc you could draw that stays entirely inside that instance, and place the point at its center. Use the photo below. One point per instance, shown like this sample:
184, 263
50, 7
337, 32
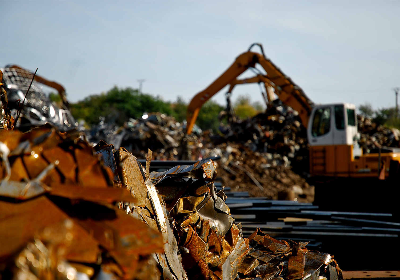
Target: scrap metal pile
68, 212
277, 131
34, 108
245, 170
158, 132
58, 218
262, 160
374, 136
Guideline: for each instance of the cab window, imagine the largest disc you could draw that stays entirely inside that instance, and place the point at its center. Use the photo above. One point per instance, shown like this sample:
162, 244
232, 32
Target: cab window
339, 117
351, 117
321, 122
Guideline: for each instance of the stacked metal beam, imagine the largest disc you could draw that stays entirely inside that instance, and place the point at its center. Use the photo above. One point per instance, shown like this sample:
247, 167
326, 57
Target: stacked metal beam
356, 239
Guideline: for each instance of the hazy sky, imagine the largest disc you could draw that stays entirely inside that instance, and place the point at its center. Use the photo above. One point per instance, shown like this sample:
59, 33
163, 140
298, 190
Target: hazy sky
337, 51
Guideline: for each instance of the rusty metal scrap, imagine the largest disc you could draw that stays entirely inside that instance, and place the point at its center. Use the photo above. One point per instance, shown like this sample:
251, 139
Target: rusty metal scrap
56, 193
277, 131
257, 153
202, 236
158, 132
374, 136
241, 169
288, 260
58, 215
151, 210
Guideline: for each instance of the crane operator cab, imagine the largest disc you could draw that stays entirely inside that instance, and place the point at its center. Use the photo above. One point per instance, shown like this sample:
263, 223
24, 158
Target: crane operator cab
334, 150
334, 124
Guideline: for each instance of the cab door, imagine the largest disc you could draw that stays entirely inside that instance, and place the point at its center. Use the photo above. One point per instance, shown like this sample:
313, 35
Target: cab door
320, 127
345, 124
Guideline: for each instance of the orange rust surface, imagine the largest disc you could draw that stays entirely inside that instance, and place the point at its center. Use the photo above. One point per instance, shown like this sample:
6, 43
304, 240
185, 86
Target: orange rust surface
384, 274
78, 183
296, 264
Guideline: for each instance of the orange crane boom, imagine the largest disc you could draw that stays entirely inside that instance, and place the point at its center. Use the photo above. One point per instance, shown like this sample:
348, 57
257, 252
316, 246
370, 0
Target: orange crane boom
286, 90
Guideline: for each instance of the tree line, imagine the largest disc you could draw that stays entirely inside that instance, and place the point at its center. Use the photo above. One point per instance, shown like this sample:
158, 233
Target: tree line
119, 104
384, 116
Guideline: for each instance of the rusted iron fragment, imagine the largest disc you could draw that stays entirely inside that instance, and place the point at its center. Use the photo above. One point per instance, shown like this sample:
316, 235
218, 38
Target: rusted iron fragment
218, 220
73, 211
20, 222
171, 253
288, 260
152, 210
235, 258
45, 157
194, 193
203, 169
37, 261
107, 152
132, 176
122, 237
213, 244
296, 263
92, 194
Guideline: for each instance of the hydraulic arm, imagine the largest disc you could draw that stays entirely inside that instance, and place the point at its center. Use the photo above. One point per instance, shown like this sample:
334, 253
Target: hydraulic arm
286, 90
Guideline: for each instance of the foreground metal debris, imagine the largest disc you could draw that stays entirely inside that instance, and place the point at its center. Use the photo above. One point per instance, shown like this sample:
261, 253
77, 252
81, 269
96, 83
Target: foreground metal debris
58, 218
206, 243
57, 213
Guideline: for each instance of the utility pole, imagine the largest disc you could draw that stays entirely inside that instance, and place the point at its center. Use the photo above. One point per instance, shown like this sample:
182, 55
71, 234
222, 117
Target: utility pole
141, 81
396, 91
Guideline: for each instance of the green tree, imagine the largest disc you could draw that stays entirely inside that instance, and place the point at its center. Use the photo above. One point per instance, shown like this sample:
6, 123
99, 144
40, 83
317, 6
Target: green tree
179, 109
383, 115
118, 105
387, 117
366, 110
208, 116
258, 106
243, 108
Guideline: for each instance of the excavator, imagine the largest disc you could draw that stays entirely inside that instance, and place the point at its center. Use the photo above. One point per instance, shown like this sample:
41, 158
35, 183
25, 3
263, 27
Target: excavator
334, 156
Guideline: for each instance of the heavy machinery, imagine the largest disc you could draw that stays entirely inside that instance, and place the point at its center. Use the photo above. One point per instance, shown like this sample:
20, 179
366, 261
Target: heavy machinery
332, 134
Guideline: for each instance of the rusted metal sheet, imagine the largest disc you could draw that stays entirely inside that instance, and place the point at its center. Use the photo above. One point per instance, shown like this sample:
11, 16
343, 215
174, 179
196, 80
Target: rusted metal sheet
371, 274
289, 260
60, 195
205, 169
134, 179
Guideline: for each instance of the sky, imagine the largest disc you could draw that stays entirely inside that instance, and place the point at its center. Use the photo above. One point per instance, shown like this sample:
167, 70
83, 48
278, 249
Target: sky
336, 51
